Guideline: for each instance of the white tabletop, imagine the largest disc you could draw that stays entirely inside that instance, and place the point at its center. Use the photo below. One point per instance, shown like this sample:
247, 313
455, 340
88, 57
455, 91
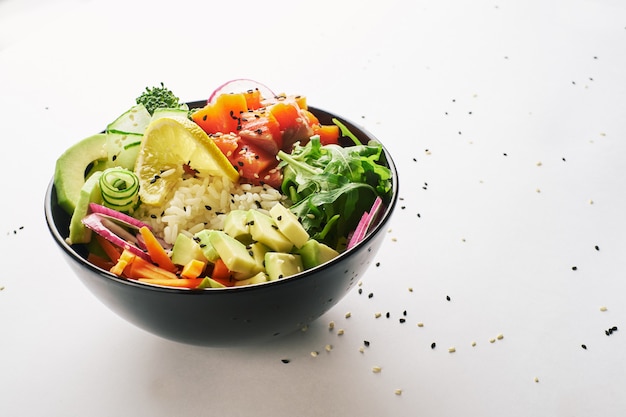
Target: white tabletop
507, 121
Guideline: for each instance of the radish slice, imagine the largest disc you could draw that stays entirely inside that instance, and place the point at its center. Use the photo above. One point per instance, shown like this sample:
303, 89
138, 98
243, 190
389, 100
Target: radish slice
94, 222
365, 224
117, 215
240, 85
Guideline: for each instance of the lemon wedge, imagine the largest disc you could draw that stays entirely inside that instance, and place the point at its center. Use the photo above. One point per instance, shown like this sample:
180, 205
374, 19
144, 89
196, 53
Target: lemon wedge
169, 143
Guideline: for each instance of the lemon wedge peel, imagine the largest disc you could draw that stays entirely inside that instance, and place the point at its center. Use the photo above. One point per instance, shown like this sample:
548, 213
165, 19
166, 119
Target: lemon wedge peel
168, 144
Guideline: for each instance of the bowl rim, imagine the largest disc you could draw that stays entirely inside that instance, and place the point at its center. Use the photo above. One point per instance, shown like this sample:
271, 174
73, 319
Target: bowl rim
104, 274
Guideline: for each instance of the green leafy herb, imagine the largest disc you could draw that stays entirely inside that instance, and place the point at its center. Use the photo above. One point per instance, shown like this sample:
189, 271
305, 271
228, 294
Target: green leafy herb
158, 97
332, 186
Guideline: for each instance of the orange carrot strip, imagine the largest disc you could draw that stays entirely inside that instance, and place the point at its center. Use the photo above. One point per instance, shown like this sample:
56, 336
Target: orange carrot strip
156, 251
221, 272
193, 269
100, 262
180, 282
140, 268
112, 251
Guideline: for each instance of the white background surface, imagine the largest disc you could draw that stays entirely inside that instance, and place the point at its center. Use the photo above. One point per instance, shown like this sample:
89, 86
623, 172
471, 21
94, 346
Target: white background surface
507, 121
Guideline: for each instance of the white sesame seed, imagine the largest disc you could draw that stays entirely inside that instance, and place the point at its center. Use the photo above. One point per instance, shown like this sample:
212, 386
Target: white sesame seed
376, 369
340, 332
473, 344
603, 308
452, 349
331, 325
314, 354
328, 348
410, 289
377, 315
500, 336
398, 392
420, 324
536, 379
492, 340
348, 315
362, 349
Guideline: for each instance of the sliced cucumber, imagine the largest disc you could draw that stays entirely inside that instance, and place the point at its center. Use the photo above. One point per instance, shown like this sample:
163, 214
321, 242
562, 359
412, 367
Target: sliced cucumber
134, 120
122, 149
169, 112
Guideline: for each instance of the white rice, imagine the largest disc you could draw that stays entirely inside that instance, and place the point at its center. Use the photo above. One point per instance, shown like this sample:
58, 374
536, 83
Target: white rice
202, 203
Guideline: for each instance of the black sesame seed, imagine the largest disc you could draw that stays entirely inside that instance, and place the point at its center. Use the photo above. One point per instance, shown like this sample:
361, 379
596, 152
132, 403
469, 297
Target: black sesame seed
583, 346
377, 264
404, 313
597, 247
402, 320
366, 343
447, 297
574, 268
370, 295
433, 345
285, 360
387, 315
360, 290
208, 207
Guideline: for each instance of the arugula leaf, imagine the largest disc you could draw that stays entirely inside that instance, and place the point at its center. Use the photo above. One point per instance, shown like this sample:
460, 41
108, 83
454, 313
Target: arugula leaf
331, 186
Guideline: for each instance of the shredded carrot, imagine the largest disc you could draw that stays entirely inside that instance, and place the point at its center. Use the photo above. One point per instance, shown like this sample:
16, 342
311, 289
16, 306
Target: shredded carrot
140, 268
179, 282
156, 251
193, 269
100, 262
221, 272
112, 251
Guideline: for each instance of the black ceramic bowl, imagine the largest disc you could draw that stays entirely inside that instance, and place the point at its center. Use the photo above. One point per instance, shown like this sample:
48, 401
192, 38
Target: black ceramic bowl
228, 316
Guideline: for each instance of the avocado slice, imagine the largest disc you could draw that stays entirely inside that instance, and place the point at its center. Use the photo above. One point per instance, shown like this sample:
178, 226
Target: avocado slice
263, 229
315, 253
186, 249
234, 254
255, 279
89, 193
236, 225
280, 265
69, 173
289, 225
202, 238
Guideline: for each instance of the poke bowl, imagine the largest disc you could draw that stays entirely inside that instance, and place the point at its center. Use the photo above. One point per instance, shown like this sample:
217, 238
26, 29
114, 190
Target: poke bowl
205, 308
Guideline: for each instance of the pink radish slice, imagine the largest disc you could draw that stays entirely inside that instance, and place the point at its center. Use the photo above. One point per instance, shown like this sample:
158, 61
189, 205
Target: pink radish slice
94, 222
365, 224
117, 215
240, 85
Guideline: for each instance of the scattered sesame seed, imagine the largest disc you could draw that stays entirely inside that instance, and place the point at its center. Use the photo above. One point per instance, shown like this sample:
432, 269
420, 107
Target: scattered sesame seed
402, 320
583, 346
285, 360
376, 369
366, 343
328, 348
536, 379
361, 349
452, 349
314, 354
597, 247
331, 325
398, 392
500, 336
492, 340
348, 315
370, 295
574, 268
377, 314
420, 324
447, 297
473, 344
410, 289
340, 332
433, 345
387, 314
603, 308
